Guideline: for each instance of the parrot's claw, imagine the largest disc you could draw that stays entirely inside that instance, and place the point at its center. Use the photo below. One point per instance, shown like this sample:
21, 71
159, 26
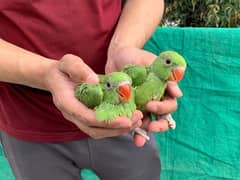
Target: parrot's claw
171, 121
141, 132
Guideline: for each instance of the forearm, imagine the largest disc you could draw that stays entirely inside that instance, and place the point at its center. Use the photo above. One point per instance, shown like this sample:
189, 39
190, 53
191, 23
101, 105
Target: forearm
137, 23
20, 66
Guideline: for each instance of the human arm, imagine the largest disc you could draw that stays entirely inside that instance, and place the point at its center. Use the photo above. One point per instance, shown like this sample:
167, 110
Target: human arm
20, 66
23, 67
137, 23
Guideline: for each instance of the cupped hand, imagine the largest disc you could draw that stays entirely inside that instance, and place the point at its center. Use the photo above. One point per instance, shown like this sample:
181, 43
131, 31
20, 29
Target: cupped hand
121, 57
61, 81
165, 106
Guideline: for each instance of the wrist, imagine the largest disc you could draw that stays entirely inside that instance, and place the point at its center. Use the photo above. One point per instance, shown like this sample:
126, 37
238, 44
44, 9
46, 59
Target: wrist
20, 66
34, 75
116, 46
50, 66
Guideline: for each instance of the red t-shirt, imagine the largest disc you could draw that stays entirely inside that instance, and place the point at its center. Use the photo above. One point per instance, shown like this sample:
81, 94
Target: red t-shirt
52, 29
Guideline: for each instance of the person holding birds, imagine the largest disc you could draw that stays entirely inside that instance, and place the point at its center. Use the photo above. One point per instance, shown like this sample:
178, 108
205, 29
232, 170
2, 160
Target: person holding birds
120, 93
46, 49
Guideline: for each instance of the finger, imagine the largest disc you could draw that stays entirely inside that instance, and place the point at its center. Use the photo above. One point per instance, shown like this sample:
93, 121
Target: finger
165, 106
79, 112
137, 118
88, 118
173, 89
161, 125
145, 122
120, 122
97, 133
77, 70
136, 124
71, 106
139, 140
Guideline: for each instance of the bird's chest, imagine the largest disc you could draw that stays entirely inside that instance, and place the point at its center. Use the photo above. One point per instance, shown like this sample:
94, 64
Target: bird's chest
111, 97
152, 89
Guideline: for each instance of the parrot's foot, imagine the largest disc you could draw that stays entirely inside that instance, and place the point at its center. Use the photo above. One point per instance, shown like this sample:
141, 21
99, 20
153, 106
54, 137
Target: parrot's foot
141, 132
171, 121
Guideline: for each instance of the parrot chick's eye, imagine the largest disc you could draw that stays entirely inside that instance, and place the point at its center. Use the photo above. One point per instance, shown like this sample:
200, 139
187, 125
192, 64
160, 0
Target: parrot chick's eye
108, 85
168, 62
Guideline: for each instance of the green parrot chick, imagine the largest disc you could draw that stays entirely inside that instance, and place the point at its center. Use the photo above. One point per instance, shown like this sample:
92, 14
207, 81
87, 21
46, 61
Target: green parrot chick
169, 65
111, 98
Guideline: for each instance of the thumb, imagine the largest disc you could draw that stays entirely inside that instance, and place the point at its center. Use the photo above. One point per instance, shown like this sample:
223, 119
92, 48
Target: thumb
77, 70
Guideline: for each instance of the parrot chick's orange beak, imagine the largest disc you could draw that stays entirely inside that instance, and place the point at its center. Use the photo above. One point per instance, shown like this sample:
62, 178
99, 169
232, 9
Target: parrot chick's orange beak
124, 91
177, 74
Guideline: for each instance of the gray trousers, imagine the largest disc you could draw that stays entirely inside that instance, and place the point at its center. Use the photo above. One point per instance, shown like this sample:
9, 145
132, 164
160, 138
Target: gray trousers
110, 158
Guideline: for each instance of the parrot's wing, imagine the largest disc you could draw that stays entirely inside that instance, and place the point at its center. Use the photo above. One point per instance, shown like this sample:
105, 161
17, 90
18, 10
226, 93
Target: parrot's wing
138, 74
89, 94
151, 89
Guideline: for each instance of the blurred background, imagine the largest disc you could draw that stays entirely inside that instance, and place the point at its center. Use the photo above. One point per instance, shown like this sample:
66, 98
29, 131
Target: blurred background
202, 13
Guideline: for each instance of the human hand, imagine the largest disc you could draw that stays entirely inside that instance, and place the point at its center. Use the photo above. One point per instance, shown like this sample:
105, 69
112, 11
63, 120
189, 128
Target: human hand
166, 106
121, 57
61, 81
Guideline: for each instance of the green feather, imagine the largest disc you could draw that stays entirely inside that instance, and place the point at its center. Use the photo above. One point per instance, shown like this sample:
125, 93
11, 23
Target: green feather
89, 94
138, 74
150, 83
152, 89
107, 111
104, 97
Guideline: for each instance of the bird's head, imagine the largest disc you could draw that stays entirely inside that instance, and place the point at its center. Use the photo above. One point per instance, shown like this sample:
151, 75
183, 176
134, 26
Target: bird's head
117, 87
169, 65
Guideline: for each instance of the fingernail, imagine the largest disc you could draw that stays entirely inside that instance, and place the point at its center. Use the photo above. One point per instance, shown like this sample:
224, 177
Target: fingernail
134, 120
176, 89
92, 78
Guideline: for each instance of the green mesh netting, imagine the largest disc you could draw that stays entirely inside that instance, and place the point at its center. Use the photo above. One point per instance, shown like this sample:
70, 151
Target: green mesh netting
206, 143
